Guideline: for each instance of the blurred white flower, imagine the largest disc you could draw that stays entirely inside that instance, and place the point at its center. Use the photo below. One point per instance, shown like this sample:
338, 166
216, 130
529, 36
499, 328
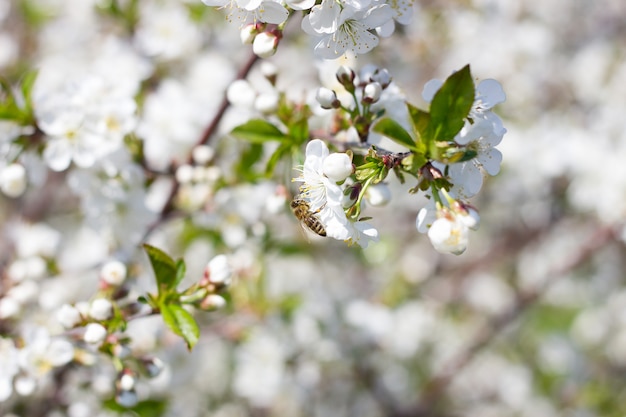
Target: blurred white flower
101, 309
95, 334
13, 180
113, 272
8, 367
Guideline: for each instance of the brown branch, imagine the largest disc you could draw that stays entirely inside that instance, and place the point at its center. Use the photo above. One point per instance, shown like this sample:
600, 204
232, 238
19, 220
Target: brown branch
206, 136
435, 388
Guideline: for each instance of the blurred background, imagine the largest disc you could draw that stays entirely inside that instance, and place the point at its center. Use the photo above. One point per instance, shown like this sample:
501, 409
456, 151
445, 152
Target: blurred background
530, 321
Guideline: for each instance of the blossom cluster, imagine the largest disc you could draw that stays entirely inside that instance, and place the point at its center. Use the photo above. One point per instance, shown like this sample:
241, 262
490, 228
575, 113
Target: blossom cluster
335, 27
450, 173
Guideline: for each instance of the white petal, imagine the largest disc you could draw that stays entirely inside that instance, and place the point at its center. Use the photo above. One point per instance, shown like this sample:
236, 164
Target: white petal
491, 161
325, 17
58, 154
491, 93
272, 12
378, 16
430, 89
387, 29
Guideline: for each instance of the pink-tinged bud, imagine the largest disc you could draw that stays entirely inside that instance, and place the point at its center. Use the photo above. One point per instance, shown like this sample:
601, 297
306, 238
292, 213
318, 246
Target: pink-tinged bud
218, 271
327, 98
213, 302
265, 44
126, 381
113, 273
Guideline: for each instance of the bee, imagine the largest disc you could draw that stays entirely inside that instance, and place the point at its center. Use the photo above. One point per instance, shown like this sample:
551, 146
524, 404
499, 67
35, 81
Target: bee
308, 218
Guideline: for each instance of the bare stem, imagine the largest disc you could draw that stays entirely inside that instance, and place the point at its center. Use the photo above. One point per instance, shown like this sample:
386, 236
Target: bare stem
435, 388
207, 134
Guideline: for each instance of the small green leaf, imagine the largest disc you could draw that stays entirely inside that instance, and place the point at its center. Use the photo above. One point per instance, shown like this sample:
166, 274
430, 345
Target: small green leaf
165, 269
281, 151
181, 269
181, 322
394, 131
451, 105
258, 131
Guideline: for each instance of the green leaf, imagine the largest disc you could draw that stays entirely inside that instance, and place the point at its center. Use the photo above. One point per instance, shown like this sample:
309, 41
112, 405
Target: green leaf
299, 130
181, 322
258, 131
248, 158
421, 121
394, 131
451, 105
181, 269
165, 269
147, 408
281, 151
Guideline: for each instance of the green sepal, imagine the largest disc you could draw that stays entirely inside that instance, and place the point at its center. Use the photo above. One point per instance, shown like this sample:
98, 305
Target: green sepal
258, 131
181, 322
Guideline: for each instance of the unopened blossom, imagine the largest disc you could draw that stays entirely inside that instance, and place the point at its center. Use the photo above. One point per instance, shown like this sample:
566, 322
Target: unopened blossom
95, 334
218, 270
378, 194
113, 272
13, 180
337, 166
265, 44
327, 98
68, 316
101, 309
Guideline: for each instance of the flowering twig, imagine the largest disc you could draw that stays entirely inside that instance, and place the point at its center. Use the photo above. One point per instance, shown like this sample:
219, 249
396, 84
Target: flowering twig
206, 136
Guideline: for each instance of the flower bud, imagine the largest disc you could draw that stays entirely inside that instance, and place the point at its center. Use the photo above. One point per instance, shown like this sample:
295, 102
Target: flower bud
113, 272
378, 194
247, 34
126, 399
184, 174
218, 271
125, 381
213, 302
202, 154
68, 316
337, 166
346, 76
269, 71
95, 334
101, 309
382, 77
327, 98
13, 180
153, 366
265, 44
266, 103
372, 92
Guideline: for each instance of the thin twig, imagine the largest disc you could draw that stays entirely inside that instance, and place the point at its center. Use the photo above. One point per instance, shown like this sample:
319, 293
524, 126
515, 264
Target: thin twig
207, 134
435, 388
